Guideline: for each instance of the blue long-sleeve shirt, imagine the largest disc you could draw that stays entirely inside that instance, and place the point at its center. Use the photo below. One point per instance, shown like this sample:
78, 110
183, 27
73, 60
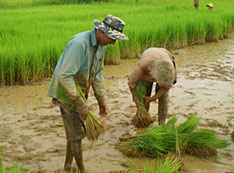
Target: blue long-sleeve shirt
80, 63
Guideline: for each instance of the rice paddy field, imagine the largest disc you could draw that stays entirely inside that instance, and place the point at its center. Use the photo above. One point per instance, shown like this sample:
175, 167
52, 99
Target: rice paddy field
32, 134
33, 33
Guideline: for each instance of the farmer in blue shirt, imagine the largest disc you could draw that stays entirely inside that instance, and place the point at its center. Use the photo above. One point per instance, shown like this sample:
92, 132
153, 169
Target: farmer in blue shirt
81, 63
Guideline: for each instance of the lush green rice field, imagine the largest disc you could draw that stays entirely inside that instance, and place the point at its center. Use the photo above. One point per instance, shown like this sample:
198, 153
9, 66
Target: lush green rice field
33, 34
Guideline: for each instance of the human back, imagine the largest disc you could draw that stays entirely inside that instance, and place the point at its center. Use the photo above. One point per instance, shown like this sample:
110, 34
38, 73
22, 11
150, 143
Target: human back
153, 53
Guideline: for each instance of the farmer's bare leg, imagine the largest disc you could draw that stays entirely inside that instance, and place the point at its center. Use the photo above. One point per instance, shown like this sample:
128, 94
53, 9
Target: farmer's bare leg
162, 106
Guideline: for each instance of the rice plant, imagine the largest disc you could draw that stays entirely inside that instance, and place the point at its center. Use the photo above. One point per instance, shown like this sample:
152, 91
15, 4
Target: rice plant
142, 118
32, 37
1, 165
160, 140
94, 126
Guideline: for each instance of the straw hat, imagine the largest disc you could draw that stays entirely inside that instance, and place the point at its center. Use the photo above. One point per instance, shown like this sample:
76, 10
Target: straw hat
162, 72
112, 26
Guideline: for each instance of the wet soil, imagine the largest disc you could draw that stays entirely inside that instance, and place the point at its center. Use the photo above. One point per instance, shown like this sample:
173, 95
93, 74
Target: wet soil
32, 133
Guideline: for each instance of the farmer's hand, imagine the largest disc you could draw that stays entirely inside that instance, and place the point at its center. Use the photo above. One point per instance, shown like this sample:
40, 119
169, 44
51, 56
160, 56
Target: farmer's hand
148, 100
135, 97
102, 108
83, 110
138, 103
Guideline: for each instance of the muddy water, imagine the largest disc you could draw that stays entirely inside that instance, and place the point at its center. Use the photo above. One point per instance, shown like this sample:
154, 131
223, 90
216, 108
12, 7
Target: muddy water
32, 132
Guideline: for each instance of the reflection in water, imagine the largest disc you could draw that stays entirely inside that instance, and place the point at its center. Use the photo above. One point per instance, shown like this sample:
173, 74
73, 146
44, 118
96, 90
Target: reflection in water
32, 132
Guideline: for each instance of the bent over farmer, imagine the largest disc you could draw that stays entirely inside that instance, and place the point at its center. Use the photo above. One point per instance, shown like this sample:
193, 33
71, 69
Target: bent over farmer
156, 65
81, 63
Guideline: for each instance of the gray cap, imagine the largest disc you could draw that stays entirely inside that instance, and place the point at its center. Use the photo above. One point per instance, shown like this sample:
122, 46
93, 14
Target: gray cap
112, 26
162, 72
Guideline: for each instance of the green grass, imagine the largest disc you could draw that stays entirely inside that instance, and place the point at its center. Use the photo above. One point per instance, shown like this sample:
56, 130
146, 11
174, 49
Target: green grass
33, 35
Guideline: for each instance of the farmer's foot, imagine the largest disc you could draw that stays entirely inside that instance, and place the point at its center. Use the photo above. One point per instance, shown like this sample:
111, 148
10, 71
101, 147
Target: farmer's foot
70, 169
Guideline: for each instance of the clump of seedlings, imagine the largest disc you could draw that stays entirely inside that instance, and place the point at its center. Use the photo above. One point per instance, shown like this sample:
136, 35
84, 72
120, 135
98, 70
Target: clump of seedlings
94, 126
161, 140
142, 118
172, 161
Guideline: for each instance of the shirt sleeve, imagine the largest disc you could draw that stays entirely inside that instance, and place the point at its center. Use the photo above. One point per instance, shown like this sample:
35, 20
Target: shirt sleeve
98, 87
72, 62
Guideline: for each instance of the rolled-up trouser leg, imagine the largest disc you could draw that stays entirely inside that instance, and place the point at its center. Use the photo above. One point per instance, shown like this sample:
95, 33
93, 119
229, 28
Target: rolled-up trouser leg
76, 147
73, 126
148, 86
74, 134
69, 157
162, 106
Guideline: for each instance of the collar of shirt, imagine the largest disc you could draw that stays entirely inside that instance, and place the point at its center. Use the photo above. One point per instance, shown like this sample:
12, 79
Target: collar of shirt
93, 38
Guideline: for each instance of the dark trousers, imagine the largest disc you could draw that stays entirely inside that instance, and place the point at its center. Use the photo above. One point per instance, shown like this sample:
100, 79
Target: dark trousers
75, 132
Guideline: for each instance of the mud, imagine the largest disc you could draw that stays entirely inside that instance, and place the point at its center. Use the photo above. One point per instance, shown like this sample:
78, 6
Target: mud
32, 132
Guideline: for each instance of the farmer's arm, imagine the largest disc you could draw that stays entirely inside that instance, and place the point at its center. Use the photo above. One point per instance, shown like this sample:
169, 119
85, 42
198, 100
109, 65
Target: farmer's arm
73, 60
99, 92
161, 92
132, 83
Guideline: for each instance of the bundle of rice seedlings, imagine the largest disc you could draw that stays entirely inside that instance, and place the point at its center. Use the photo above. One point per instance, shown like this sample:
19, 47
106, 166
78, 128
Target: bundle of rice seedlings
203, 152
142, 118
155, 141
169, 164
164, 139
172, 162
185, 131
203, 143
94, 126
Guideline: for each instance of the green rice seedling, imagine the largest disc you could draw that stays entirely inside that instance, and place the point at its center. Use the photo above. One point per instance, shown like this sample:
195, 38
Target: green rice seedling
153, 142
168, 164
207, 138
160, 140
113, 55
172, 162
203, 143
185, 131
142, 118
1, 165
29, 54
94, 126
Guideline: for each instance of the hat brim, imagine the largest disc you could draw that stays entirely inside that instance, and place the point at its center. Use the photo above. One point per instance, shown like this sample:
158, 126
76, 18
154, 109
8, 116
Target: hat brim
111, 33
